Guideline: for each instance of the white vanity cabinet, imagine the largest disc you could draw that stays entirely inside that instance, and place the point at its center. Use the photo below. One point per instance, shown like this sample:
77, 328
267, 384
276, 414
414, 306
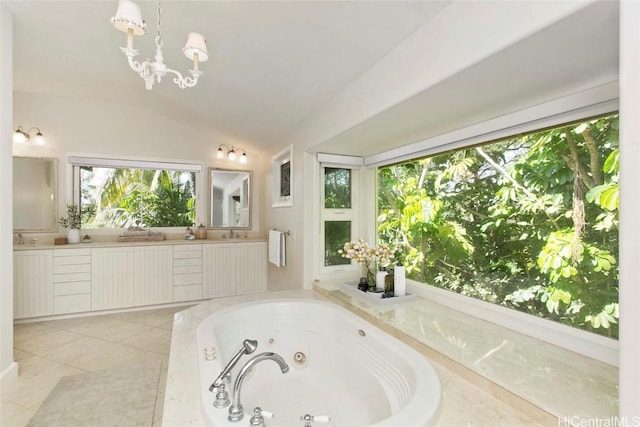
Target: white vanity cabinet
71, 280
153, 275
234, 269
187, 272
112, 277
32, 283
89, 278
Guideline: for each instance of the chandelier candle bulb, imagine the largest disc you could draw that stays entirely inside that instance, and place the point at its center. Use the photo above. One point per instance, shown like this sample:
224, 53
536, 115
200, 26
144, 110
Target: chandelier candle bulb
399, 281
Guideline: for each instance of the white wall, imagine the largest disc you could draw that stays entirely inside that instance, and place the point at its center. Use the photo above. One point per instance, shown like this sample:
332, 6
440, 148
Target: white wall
8, 368
409, 69
629, 209
102, 128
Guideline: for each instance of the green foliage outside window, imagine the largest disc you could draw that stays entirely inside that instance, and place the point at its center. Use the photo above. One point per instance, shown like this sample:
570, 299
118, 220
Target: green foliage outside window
123, 197
529, 222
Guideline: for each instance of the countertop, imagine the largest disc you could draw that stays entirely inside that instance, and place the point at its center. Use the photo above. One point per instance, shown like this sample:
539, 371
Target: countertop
111, 243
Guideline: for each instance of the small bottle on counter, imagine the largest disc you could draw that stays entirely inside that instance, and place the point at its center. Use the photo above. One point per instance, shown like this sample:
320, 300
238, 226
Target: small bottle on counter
399, 281
380, 276
388, 282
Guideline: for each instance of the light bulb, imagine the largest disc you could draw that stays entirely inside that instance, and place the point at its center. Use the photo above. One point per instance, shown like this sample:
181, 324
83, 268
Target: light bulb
19, 137
220, 153
39, 139
243, 158
231, 154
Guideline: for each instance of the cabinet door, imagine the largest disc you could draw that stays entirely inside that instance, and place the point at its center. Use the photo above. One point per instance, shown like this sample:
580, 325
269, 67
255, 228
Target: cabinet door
218, 270
153, 275
112, 278
251, 268
32, 283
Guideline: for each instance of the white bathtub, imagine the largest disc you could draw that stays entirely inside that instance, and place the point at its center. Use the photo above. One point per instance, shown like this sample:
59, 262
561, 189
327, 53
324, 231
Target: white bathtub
353, 372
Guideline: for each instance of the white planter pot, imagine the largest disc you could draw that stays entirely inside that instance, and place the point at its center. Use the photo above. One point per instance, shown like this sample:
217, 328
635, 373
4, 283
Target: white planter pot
73, 236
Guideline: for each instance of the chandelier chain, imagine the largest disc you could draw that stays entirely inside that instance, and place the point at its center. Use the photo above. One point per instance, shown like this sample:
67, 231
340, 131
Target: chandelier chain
159, 16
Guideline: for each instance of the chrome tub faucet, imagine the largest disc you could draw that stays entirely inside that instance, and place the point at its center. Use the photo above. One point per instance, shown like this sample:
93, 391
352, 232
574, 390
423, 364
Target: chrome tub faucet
236, 412
222, 396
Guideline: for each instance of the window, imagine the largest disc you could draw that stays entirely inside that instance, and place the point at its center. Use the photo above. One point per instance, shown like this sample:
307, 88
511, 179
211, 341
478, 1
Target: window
116, 194
529, 222
337, 213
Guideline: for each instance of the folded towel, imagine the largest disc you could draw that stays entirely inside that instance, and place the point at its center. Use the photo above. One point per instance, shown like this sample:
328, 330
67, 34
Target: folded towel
276, 248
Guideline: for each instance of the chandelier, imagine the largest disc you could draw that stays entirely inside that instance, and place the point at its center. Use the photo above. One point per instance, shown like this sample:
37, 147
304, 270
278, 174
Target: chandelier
128, 19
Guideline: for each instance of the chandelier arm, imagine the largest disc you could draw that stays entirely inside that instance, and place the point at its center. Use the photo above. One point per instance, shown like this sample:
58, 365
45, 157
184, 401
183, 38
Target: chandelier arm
185, 82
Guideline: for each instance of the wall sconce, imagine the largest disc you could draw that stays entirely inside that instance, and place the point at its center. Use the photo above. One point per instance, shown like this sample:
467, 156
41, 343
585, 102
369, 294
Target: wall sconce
20, 136
232, 154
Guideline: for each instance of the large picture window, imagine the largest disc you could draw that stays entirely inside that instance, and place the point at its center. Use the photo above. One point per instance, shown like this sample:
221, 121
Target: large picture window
148, 195
529, 222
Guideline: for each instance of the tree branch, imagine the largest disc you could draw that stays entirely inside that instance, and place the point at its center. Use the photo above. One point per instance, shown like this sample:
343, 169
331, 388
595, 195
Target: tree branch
594, 155
515, 183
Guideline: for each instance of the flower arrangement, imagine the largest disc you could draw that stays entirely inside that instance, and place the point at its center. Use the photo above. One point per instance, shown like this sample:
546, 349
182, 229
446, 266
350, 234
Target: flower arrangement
359, 251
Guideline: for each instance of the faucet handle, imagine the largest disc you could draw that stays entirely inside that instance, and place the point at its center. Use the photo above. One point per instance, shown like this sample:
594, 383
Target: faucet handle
222, 397
308, 419
257, 420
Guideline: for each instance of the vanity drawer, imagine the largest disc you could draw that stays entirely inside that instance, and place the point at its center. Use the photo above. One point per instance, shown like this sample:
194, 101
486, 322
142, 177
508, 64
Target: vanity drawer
71, 260
71, 288
71, 277
187, 293
187, 279
71, 268
189, 269
186, 262
72, 303
71, 252
187, 251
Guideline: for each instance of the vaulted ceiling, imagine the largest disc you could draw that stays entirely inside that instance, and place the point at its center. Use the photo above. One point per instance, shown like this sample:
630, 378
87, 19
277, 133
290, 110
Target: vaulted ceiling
273, 64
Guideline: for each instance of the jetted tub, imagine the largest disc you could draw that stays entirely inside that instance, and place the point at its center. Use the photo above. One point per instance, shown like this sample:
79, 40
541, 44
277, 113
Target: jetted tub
340, 365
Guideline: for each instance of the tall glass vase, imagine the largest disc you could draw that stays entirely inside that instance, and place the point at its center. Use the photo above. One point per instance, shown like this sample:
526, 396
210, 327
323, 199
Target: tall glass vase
369, 272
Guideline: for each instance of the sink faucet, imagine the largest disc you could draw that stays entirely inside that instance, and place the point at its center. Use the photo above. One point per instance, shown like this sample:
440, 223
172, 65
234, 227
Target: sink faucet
20, 239
236, 411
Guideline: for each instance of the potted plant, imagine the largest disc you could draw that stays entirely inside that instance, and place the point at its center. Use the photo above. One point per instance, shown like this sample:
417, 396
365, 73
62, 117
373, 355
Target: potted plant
72, 222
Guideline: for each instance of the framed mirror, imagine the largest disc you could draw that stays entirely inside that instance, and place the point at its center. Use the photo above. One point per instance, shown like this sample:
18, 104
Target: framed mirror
229, 198
35, 194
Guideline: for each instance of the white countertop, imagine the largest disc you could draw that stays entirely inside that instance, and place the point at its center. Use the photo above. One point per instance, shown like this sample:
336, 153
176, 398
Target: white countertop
111, 243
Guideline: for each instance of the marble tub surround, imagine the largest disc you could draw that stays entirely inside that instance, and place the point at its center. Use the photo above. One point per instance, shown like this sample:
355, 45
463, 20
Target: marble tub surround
463, 403
543, 380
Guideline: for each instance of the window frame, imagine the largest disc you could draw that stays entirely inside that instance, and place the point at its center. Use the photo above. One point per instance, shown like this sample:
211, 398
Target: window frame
341, 214
75, 160
582, 105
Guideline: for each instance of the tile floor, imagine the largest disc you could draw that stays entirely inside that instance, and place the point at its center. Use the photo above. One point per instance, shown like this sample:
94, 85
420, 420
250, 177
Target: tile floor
48, 350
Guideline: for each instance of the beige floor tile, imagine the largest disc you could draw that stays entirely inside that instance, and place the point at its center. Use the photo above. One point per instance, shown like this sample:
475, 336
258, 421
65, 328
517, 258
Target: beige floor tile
36, 378
43, 343
167, 326
102, 327
12, 415
92, 354
149, 317
155, 339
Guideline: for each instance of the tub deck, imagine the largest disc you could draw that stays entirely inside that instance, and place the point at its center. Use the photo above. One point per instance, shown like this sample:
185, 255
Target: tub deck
463, 402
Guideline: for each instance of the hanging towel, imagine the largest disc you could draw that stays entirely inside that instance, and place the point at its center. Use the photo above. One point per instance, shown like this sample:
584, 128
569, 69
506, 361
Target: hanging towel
277, 253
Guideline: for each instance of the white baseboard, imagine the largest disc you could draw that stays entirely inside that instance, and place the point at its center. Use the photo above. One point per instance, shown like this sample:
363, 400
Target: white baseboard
9, 375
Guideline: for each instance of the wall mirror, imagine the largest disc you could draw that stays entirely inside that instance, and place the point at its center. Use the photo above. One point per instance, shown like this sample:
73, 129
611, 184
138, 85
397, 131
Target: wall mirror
229, 198
35, 194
